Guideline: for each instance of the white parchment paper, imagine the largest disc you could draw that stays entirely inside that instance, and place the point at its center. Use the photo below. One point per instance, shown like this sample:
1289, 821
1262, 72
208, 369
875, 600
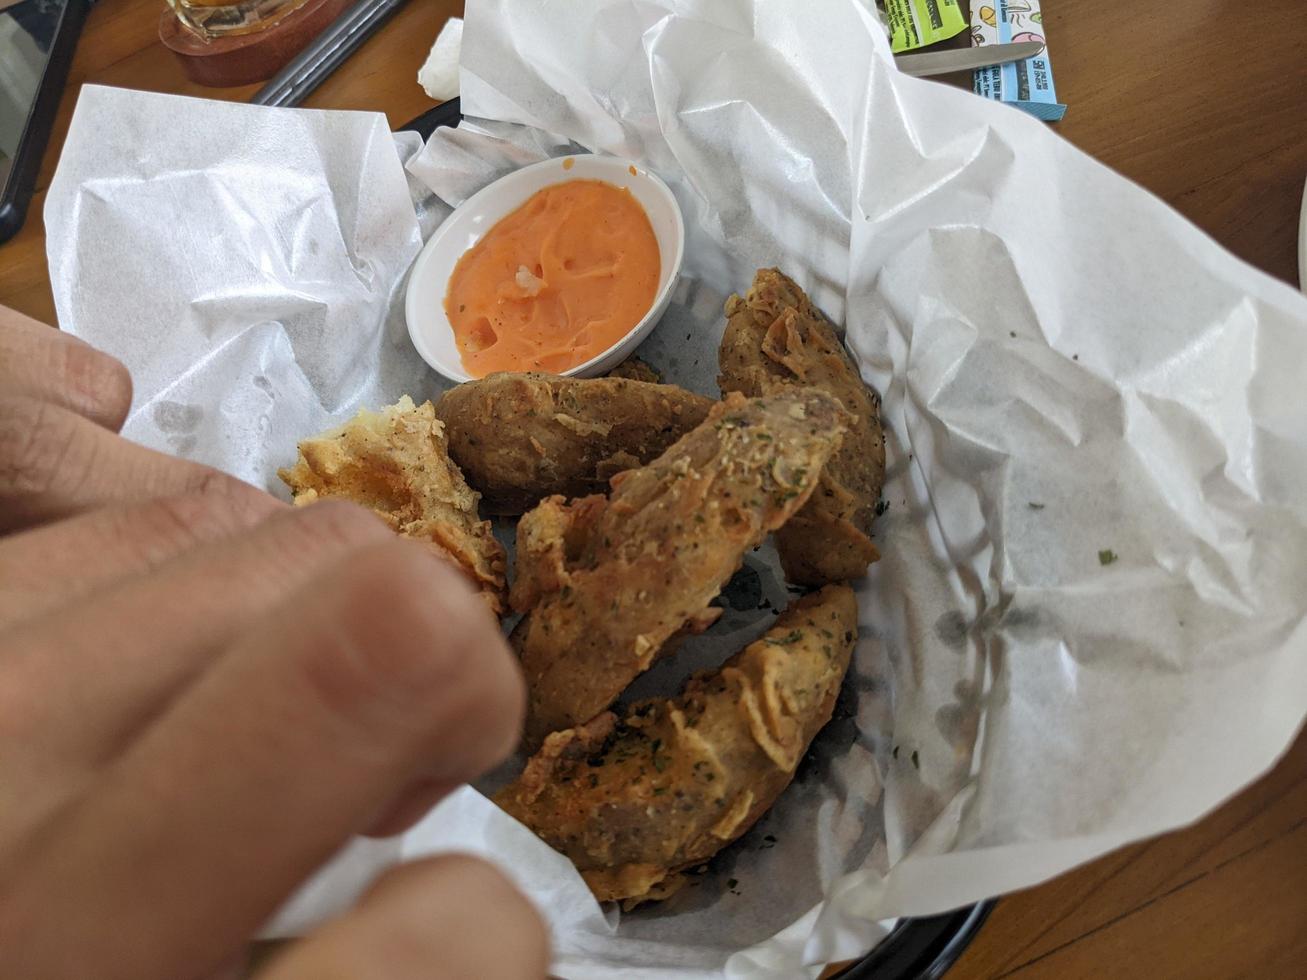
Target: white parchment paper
1087, 627
246, 265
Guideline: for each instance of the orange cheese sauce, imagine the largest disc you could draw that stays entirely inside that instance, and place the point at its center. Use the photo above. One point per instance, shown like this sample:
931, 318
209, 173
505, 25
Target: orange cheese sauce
557, 282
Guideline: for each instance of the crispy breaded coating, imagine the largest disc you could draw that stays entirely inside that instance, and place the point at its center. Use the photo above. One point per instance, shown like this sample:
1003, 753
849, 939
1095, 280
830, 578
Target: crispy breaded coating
395, 461
633, 802
776, 337
636, 370
522, 437
607, 582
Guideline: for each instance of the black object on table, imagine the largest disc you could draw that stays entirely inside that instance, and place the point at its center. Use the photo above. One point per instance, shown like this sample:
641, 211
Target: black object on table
38, 42
310, 68
921, 949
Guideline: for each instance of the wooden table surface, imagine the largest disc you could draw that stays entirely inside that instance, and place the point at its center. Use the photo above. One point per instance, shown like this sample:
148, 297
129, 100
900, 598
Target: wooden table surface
1203, 106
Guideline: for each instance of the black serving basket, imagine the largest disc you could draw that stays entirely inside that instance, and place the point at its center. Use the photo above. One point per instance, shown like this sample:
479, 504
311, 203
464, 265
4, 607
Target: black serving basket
915, 949
921, 949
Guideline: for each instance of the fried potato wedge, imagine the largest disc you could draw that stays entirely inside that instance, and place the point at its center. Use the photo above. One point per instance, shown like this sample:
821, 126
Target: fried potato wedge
396, 462
636, 370
776, 337
605, 583
522, 437
636, 800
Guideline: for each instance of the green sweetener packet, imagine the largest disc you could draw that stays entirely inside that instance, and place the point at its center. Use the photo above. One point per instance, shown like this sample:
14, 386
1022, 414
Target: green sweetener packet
916, 23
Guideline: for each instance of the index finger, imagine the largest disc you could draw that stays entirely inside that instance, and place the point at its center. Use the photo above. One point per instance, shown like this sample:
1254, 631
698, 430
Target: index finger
54, 462
377, 675
43, 362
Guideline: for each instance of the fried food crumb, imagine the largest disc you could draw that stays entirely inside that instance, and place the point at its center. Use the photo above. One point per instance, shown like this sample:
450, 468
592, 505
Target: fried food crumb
396, 463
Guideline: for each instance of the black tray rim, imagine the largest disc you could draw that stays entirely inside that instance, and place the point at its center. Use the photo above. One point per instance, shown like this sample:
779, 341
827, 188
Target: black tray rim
915, 949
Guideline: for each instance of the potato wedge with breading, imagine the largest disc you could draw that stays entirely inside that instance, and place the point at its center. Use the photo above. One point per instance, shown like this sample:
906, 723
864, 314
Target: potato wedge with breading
775, 337
636, 370
522, 437
395, 462
635, 801
605, 583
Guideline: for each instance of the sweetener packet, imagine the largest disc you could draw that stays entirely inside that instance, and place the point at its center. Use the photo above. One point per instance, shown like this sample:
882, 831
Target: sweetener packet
1025, 84
917, 23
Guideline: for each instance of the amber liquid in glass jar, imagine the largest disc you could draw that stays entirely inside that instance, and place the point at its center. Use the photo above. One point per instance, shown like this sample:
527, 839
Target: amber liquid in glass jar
211, 19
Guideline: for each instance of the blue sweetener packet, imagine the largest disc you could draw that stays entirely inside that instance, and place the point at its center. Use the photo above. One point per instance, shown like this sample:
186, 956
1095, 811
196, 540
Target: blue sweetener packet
1025, 84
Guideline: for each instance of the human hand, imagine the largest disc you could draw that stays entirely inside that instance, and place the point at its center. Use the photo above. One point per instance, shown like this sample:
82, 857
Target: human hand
204, 693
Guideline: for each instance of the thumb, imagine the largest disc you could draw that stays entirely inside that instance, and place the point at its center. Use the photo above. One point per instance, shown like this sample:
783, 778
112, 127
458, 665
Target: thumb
452, 916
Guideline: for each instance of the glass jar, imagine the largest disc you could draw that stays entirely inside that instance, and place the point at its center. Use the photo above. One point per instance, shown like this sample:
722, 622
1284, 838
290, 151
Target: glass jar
209, 19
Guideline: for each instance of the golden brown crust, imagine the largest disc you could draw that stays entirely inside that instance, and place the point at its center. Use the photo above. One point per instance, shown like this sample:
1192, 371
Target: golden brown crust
636, 370
395, 462
776, 337
606, 583
522, 437
634, 802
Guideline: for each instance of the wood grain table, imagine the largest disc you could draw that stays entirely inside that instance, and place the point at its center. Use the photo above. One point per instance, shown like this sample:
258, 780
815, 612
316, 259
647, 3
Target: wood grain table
1205, 104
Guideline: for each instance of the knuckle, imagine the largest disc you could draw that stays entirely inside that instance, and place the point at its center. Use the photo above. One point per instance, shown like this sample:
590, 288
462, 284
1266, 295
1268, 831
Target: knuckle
338, 522
486, 885
173, 523
483, 885
418, 645
18, 712
211, 485
409, 595
483, 879
221, 506
488, 888
214, 492
97, 383
454, 893
35, 441
483, 683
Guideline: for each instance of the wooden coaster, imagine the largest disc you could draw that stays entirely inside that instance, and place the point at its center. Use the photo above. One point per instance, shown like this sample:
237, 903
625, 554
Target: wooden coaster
240, 60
